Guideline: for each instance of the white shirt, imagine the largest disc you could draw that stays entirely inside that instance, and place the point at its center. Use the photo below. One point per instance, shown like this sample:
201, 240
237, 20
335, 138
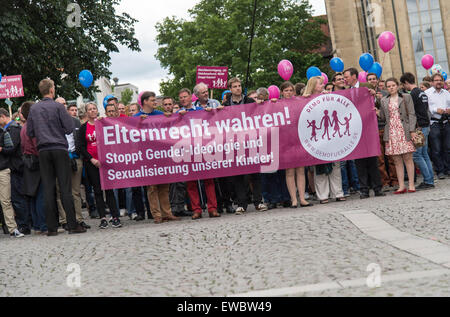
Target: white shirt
437, 101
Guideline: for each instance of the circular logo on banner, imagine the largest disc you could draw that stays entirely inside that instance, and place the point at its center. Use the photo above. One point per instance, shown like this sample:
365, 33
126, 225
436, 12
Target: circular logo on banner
330, 127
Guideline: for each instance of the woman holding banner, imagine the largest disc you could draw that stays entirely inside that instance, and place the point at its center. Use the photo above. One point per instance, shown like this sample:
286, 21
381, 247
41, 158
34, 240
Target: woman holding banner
87, 143
326, 176
288, 91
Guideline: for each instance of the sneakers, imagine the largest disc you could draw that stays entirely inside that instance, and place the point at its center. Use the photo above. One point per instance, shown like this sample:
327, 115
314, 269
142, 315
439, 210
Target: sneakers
261, 207
307, 197
85, 225
240, 211
425, 186
123, 212
116, 223
103, 224
133, 216
17, 234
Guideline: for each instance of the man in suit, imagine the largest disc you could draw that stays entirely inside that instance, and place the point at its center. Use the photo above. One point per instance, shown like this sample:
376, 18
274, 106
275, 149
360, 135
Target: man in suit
368, 172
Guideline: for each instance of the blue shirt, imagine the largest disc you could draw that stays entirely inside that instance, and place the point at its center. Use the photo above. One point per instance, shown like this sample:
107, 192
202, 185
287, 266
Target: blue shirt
153, 113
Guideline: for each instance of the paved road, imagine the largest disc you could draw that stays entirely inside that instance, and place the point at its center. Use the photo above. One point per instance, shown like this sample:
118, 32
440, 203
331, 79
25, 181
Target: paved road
238, 254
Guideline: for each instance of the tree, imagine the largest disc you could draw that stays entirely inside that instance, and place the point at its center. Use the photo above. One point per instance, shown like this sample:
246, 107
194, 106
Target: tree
219, 33
126, 96
38, 42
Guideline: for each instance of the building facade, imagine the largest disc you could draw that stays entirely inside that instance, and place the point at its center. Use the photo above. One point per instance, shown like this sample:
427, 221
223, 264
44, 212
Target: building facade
421, 27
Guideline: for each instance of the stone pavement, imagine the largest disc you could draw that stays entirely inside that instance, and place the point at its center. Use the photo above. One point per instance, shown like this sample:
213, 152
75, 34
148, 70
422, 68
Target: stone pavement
282, 248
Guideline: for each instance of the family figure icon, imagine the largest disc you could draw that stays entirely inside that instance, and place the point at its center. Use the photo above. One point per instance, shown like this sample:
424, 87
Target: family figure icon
328, 123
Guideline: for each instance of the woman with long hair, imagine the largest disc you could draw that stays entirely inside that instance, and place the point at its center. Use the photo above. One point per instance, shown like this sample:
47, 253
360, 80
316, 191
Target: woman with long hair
295, 174
327, 176
87, 141
397, 110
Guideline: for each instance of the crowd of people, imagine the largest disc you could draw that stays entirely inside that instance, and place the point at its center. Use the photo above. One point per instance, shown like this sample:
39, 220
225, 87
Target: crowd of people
50, 169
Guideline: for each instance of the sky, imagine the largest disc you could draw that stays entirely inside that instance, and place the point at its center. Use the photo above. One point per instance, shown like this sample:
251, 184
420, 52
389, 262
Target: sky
142, 68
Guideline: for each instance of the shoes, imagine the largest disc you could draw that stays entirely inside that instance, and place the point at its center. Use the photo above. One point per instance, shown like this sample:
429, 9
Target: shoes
240, 211
61, 230
25, 231
294, 206
84, 225
52, 233
287, 204
411, 191
272, 206
77, 230
197, 215
139, 218
65, 226
400, 192
324, 202
133, 216
103, 224
261, 207
347, 195
307, 197
425, 186
379, 194
386, 189
229, 209
306, 206
116, 223
214, 214
123, 212
158, 220
441, 176
17, 234
341, 199
171, 218
364, 196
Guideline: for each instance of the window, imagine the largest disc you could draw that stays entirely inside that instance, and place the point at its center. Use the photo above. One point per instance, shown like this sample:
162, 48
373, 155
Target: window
425, 21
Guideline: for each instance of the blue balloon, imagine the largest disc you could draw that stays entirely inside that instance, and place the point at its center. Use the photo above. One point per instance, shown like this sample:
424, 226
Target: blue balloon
444, 74
86, 78
337, 65
313, 72
0, 77
377, 69
225, 92
105, 101
366, 61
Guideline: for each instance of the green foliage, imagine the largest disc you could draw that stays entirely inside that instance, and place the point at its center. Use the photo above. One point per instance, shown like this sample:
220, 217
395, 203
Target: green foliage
126, 97
219, 34
36, 42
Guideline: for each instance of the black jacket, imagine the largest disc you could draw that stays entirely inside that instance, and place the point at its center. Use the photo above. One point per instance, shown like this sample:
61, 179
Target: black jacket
11, 157
246, 100
81, 145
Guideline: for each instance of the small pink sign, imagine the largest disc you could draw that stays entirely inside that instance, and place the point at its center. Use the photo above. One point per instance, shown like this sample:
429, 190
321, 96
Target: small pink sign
214, 77
11, 87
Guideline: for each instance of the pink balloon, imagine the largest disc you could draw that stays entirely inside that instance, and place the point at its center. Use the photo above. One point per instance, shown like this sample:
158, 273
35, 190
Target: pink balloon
274, 92
325, 78
194, 98
362, 78
427, 61
139, 98
386, 41
285, 69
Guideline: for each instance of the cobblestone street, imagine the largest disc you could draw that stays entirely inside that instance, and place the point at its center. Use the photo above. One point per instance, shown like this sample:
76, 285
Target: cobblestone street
282, 250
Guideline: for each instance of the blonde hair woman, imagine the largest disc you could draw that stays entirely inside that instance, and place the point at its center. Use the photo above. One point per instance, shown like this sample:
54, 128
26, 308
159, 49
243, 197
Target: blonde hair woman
299, 173
327, 176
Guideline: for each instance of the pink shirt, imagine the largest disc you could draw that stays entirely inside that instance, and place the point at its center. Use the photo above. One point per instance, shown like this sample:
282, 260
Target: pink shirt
91, 139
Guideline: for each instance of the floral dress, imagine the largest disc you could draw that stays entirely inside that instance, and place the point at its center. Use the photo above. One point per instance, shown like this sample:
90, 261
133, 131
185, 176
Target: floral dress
397, 144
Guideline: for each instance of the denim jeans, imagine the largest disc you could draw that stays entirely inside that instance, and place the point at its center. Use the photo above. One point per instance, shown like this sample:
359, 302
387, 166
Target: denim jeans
422, 159
440, 147
36, 208
23, 217
349, 179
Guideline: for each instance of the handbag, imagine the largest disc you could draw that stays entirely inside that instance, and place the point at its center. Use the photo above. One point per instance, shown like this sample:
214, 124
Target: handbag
419, 140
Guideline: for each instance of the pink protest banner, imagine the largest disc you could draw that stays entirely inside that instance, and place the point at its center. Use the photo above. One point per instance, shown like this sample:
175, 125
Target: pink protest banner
237, 140
214, 77
11, 87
